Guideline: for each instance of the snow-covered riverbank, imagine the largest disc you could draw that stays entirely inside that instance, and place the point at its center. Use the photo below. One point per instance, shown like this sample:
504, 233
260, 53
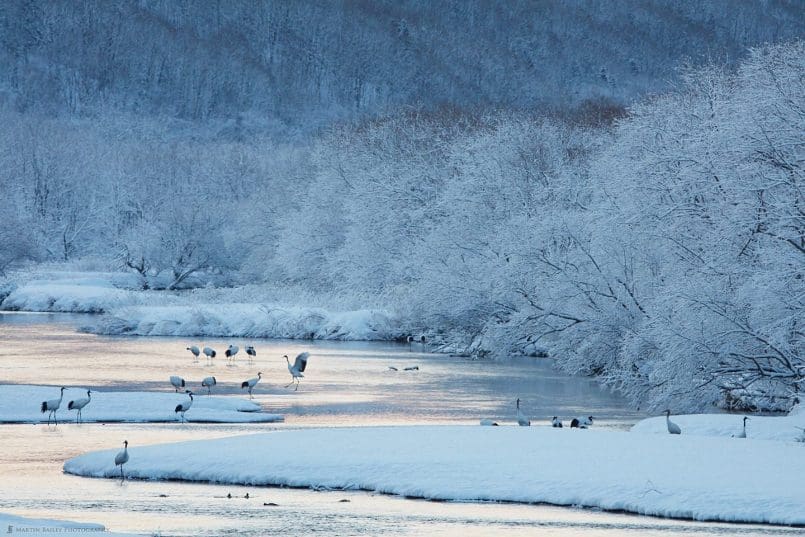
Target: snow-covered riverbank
700, 478
17, 525
783, 428
21, 404
128, 310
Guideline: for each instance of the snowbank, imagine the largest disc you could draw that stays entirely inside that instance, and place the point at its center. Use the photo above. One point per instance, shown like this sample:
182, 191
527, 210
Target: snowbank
80, 292
689, 477
21, 404
784, 428
17, 525
248, 320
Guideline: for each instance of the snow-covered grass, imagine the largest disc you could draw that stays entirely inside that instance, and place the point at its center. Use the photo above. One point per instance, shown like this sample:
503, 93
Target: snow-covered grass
68, 291
16, 525
701, 478
21, 404
785, 428
248, 320
203, 312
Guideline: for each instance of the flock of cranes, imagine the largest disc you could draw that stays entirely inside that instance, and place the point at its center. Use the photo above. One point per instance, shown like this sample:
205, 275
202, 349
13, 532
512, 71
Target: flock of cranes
296, 370
584, 423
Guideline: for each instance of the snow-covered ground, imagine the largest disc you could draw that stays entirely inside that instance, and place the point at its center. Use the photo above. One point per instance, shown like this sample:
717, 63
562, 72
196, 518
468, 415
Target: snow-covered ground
701, 478
785, 428
248, 320
72, 292
128, 310
21, 404
16, 525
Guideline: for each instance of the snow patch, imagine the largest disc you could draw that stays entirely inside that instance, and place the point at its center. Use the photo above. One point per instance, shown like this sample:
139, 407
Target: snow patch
17, 525
692, 477
21, 404
780, 428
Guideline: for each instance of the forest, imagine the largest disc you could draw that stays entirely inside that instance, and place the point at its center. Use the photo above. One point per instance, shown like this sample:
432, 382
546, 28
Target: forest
618, 186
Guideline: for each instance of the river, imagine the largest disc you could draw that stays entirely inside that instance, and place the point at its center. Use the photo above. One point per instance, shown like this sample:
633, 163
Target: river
345, 384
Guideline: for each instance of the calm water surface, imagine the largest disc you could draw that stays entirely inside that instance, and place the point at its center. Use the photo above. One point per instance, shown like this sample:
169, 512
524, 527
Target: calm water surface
346, 384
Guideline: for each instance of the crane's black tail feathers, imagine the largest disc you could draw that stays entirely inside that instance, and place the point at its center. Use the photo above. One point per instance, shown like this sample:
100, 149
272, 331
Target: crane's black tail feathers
44, 406
244, 384
70, 405
178, 408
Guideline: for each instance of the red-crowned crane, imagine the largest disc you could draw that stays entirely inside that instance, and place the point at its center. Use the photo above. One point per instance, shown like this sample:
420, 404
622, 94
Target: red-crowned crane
251, 352
52, 406
181, 408
299, 365
208, 383
122, 457
177, 382
231, 352
742, 434
209, 352
581, 423
673, 428
193, 349
78, 404
251, 383
522, 421
556, 422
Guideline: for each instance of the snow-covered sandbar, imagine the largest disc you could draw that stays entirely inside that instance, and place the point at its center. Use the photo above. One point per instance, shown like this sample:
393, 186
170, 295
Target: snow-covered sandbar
21, 404
691, 477
17, 525
784, 428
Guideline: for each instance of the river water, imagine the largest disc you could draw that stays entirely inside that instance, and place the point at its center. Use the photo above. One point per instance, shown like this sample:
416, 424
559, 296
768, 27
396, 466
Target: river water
345, 384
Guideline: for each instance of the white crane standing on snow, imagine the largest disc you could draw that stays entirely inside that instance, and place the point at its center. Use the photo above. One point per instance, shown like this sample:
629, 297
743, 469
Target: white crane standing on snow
209, 352
522, 421
78, 404
742, 434
208, 383
556, 422
299, 365
177, 382
673, 428
251, 383
181, 408
122, 457
52, 406
251, 352
231, 352
193, 349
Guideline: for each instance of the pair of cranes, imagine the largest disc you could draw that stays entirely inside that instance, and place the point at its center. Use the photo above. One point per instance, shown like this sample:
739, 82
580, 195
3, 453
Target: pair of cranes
179, 383
296, 370
52, 405
673, 428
